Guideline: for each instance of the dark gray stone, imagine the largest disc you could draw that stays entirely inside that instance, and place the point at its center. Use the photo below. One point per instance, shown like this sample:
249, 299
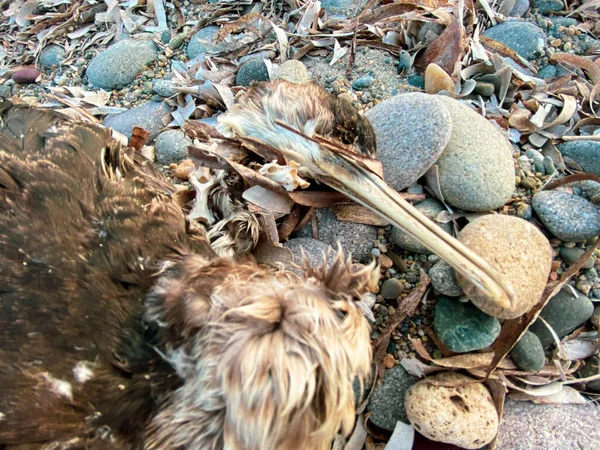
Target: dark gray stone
412, 131
548, 6
520, 9
253, 70
443, 279
570, 255
119, 64
171, 147
362, 83
528, 353
51, 55
354, 238
462, 327
387, 401
430, 208
524, 38
391, 289
565, 312
567, 216
316, 252
584, 153
148, 116
5, 91
547, 72
591, 368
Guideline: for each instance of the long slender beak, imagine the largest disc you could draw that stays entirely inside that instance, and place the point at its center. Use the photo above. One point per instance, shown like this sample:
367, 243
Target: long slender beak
346, 173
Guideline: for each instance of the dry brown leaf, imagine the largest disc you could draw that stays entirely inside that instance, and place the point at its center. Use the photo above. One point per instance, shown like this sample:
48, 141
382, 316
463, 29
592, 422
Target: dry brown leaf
567, 112
317, 199
519, 119
446, 50
498, 391
591, 69
274, 255
351, 212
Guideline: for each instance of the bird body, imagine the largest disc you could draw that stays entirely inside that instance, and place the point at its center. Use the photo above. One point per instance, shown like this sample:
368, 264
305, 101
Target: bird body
120, 328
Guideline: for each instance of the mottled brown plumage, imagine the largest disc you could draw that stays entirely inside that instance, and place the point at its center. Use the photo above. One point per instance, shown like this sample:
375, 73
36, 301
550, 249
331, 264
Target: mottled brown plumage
121, 329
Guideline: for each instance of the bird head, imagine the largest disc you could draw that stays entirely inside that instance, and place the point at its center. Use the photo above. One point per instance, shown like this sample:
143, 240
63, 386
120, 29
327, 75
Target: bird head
267, 358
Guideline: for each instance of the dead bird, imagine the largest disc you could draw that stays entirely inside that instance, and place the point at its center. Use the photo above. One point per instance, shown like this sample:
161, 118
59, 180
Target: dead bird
120, 328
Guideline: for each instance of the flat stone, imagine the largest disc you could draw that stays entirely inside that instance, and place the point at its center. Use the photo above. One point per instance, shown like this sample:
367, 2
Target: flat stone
547, 72
519, 253
202, 42
570, 255
171, 147
548, 6
387, 402
148, 116
462, 327
520, 9
476, 169
528, 40
391, 289
293, 71
412, 131
584, 153
527, 426
464, 415
362, 82
565, 312
528, 353
252, 70
119, 64
430, 208
51, 55
568, 217
316, 252
443, 279
355, 238
164, 88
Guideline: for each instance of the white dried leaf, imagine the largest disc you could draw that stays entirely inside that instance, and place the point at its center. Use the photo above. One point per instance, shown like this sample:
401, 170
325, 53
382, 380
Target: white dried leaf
338, 52
418, 368
402, 438
567, 395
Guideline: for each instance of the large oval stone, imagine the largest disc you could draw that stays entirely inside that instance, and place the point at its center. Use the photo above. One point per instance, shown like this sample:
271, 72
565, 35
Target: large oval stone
476, 169
528, 353
462, 414
520, 254
147, 116
462, 327
412, 130
584, 153
528, 40
119, 64
567, 216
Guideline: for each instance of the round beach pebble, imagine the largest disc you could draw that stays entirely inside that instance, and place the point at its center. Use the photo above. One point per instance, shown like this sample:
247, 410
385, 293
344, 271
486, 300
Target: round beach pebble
293, 71
518, 252
412, 130
464, 415
476, 169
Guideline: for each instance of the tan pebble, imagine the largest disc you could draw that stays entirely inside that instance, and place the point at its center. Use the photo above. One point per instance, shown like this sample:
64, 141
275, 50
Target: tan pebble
385, 262
555, 265
436, 80
388, 361
567, 46
553, 276
518, 252
183, 169
462, 414
556, 43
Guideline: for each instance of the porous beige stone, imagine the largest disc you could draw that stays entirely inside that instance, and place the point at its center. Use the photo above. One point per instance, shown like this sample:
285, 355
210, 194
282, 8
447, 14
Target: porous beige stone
519, 253
452, 408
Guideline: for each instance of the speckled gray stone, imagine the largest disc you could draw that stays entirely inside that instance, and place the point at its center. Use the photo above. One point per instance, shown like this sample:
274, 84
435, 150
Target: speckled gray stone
548, 6
355, 238
584, 153
51, 55
528, 353
344, 7
528, 40
520, 9
252, 70
391, 289
293, 71
119, 64
565, 312
316, 252
462, 327
148, 116
567, 216
412, 131
387, 401
430, 208
443, 279
171, 147
164, 88
476, 169
526, 426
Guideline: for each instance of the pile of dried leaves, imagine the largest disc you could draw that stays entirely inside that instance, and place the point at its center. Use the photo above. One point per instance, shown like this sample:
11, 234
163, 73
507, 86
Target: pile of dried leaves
535, 113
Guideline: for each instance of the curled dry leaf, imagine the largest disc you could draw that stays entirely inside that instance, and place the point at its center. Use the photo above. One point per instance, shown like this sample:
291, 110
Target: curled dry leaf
446, 50
591, 69
402, 438
418, 368
358, 214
